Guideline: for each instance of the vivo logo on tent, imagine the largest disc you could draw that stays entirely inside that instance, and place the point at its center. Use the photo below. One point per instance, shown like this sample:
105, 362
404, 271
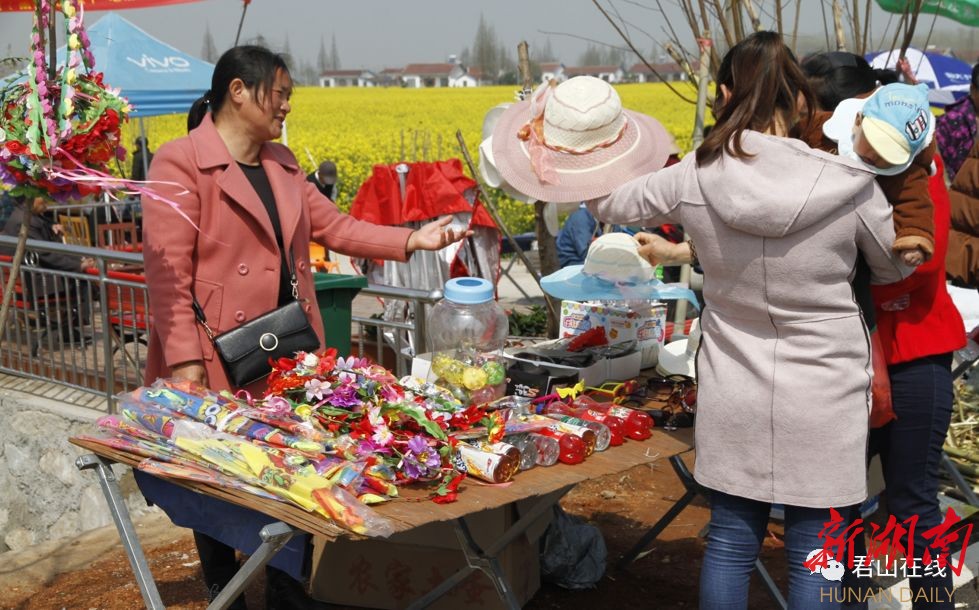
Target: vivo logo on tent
161, 64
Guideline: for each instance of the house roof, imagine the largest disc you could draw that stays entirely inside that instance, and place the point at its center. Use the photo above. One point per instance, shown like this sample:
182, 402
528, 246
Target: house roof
585, 70
664, 68
343, 73
392, 70
429, 69
474, 72
550, 66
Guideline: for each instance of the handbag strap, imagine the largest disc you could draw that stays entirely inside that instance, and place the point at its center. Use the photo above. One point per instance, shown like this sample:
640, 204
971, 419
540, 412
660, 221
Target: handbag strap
199, 311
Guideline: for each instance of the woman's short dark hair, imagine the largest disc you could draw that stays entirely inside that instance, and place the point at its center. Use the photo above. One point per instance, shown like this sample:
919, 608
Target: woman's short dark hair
837, 76
765, 84
256, 67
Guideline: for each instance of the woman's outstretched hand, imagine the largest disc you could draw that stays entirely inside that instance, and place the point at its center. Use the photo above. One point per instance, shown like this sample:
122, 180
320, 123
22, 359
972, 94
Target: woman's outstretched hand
435, 235
660, 251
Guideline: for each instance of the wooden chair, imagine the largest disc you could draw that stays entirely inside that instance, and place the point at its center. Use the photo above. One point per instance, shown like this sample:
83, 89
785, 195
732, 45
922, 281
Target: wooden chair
75, 230
118, 236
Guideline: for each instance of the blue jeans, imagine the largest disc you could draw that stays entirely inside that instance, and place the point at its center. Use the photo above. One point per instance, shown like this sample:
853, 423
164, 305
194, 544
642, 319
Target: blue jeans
737, 528
910, 449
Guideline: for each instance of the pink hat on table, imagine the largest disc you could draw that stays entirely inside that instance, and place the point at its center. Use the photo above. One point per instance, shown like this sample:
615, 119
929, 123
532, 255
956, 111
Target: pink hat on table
574, 142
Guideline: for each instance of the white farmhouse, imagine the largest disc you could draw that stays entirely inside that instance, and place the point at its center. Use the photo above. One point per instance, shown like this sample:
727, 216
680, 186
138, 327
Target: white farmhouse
348, 78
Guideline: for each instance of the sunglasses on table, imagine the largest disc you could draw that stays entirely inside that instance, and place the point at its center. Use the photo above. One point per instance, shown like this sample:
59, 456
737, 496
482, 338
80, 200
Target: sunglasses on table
616, 391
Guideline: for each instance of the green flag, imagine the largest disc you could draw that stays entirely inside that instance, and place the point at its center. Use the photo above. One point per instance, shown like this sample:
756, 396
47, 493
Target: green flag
963, 11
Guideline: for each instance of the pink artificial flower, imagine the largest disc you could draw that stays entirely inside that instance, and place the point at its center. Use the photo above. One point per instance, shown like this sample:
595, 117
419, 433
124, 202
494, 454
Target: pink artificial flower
318, 389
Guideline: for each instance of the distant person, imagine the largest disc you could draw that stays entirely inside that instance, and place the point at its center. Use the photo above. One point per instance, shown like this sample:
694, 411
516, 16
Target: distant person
141, 159
955, 130
325, 178
47, 290
575, 236
7, 202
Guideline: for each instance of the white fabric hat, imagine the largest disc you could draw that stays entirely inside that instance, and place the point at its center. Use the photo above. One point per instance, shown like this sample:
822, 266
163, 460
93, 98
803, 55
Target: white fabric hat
487, 167
679, 357
613, 270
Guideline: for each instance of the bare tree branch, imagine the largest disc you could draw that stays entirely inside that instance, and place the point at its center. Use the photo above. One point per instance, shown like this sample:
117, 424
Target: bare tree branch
753, 15
725, 27
866, 28
640, 55
822, 7
795, 27
585, 38
910, 33
883, 35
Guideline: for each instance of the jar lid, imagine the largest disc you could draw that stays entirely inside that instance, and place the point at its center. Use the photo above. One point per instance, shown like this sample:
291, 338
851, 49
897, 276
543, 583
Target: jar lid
468, 290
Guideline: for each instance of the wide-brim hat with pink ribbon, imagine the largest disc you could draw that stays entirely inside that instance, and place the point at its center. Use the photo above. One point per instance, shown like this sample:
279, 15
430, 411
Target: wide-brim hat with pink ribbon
574, 142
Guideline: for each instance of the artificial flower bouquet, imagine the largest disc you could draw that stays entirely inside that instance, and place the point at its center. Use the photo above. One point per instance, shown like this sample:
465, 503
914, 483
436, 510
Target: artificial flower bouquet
58, 136
331, 436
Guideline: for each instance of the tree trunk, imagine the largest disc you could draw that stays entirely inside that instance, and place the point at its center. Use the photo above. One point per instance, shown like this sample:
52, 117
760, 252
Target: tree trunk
838, 25
8, 289
547, 251
546, 242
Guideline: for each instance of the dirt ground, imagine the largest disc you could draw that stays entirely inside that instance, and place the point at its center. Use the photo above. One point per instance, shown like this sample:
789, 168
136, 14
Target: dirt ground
622, 506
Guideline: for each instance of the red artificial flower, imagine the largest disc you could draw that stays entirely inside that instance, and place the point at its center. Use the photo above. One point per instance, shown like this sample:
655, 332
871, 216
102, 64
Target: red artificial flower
361, 429
17, 148
328, 361
463, 420
449, 489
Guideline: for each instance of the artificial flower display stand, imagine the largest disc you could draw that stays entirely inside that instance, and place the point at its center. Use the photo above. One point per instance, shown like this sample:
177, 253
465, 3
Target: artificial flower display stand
333, 436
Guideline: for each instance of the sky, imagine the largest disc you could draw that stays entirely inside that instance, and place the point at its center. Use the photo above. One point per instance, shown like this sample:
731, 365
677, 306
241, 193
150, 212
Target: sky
386, 33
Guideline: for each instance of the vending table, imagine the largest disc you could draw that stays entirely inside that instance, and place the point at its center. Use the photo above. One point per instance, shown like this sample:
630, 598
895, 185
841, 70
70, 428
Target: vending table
544, 485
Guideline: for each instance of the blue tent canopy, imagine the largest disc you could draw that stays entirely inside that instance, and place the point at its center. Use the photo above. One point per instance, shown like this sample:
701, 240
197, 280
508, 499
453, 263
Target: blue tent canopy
155, 77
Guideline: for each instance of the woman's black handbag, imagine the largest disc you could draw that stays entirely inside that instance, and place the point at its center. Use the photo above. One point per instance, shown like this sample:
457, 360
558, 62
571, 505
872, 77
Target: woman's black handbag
246, 349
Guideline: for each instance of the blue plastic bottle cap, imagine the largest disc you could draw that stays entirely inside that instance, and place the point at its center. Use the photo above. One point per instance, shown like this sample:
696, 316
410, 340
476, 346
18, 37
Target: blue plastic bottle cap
468, 290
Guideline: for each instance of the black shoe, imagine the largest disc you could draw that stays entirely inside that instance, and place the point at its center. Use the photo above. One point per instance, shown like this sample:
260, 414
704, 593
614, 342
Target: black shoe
283, 592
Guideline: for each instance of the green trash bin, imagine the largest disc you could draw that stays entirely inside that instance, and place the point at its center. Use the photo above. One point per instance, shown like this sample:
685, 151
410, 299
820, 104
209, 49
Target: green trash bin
334, 295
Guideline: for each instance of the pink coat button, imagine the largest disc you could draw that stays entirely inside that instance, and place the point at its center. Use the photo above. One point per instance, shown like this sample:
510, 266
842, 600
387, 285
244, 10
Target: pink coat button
308, 307
243, 269
302, 265
240, 316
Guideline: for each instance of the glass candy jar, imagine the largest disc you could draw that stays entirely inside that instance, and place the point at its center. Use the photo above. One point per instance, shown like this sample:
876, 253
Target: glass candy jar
467, 330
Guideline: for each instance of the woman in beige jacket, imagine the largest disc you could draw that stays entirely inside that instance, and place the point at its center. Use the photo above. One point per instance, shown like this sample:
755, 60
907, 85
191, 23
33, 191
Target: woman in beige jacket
784, 387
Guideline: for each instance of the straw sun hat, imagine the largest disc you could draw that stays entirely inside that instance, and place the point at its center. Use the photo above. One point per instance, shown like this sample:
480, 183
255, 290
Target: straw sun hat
571, 142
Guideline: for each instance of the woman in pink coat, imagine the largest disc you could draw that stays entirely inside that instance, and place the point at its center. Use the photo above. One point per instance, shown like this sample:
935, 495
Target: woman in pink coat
245, 210
784, 361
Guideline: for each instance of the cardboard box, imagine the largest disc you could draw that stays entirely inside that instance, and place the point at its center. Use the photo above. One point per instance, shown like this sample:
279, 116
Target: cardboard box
641, 321
392, 573
620, 368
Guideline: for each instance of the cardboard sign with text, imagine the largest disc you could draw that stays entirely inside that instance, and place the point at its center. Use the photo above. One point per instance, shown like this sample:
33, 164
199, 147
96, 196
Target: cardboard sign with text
641, 321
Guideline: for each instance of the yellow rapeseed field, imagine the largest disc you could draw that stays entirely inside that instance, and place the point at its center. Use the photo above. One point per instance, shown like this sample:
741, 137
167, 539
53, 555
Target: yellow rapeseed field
359, 128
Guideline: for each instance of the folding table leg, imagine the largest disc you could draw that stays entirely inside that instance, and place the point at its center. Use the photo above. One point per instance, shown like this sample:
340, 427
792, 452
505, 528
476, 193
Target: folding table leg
274, 536
693, 490
120, 514
487, 560
770, 585
959, 480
